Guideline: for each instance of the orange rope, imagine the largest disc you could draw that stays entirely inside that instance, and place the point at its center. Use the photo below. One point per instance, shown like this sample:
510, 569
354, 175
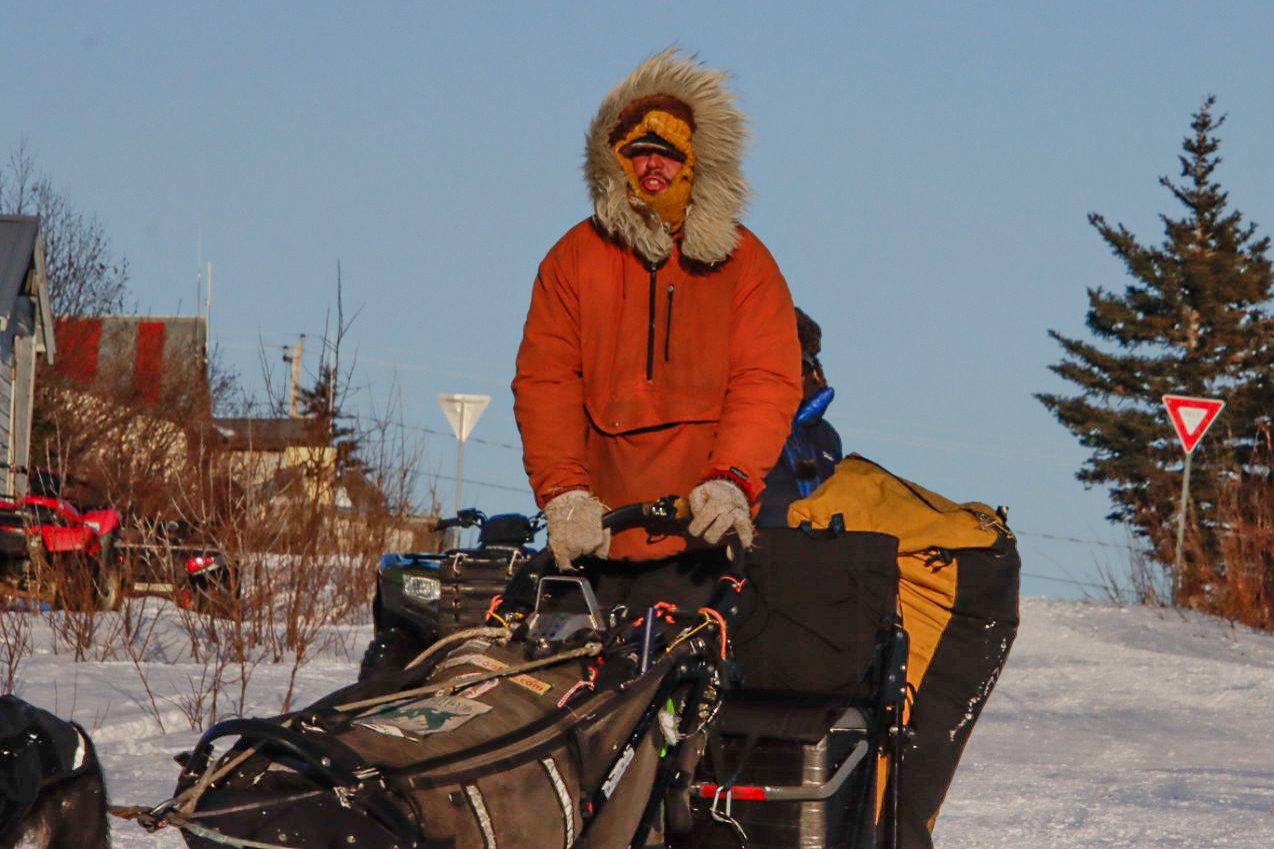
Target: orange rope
495, 603
663, 610
721, 626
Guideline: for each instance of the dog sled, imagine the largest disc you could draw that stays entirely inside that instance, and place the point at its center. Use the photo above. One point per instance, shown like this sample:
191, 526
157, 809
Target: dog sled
808, 703
561, 723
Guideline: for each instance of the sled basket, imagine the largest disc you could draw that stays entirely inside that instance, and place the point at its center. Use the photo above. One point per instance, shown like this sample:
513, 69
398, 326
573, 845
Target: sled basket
505, 761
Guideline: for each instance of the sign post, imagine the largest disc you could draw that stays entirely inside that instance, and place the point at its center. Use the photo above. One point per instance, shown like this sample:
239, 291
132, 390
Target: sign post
1191, 418
462, 411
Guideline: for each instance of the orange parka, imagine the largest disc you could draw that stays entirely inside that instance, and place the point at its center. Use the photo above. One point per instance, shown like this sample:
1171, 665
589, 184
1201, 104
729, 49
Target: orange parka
638, 379
651, 359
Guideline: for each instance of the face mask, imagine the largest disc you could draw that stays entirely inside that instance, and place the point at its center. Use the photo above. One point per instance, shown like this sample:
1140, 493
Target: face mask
671, 203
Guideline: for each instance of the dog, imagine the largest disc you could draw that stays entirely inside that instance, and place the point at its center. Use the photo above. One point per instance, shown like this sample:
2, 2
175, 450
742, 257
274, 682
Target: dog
52, 795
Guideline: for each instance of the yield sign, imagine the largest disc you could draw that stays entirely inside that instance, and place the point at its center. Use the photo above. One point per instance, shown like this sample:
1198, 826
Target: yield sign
462, 412
1191, 417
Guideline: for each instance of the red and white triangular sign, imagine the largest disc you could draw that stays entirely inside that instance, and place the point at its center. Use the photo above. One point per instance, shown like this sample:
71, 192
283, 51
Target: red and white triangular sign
1191, 417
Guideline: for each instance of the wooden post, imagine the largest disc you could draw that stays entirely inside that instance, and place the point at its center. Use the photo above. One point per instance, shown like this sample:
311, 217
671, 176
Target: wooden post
1177, 573
297, 350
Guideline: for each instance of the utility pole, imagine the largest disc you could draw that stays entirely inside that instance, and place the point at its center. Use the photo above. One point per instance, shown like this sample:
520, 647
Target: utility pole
294, 358
207, 304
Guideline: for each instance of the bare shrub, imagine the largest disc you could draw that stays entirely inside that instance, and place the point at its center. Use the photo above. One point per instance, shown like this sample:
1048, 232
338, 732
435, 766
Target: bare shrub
85, 276
199, 702
1239, 585
139, 631
80, 596
1138, 579
15, 645
299, 522
1227, 568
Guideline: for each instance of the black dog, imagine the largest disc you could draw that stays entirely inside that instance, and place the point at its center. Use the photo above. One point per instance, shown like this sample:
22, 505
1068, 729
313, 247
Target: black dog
51, 790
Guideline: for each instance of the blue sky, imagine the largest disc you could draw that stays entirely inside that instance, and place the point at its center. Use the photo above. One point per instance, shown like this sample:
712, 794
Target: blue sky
921, 171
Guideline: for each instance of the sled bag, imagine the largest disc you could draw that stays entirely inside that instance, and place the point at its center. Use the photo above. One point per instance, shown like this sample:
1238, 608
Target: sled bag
958, 595
812, 607
498, 764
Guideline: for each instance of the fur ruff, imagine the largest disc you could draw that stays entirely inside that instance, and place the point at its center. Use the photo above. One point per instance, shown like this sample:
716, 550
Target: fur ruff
720, 193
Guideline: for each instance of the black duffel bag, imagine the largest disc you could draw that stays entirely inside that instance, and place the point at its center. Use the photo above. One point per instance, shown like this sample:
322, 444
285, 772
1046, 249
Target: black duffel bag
813, 608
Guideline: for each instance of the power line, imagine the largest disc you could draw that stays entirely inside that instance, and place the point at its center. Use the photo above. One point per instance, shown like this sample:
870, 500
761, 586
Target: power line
448, 433
525, 490
1035, 575
1120, 545
1064, 580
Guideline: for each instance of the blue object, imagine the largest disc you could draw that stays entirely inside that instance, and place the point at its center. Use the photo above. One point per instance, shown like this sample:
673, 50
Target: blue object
809, 456
816, 406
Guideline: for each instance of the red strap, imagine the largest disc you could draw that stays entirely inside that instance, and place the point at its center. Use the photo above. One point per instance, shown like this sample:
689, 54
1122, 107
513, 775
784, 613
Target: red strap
739, 478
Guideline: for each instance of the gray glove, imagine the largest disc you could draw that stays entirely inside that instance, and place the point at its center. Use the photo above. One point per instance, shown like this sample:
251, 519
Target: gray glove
575, 527
716, 506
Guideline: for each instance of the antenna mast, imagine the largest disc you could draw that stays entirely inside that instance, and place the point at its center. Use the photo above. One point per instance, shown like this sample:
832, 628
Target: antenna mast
207, 307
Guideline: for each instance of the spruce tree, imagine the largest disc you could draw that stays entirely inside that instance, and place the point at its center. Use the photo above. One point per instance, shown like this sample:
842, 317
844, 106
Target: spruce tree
1194, 320
320, 404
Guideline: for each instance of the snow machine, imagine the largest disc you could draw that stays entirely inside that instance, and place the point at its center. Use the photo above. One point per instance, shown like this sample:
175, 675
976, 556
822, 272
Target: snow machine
422, 596
563, 723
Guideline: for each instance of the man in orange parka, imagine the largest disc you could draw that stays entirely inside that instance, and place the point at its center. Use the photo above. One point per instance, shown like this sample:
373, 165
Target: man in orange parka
660, 353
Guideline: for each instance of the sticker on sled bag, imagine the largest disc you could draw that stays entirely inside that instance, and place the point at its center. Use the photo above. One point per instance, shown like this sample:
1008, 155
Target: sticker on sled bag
479, 689
482, 661
435, 715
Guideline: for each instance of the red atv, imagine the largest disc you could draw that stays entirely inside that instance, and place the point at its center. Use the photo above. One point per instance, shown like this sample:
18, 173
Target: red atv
51, 550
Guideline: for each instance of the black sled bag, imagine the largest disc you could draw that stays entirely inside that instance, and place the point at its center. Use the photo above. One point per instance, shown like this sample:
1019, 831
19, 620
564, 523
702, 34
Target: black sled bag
499, 764
806, 645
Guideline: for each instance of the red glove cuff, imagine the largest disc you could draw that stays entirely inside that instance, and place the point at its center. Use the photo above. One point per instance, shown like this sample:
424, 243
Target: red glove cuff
739, 478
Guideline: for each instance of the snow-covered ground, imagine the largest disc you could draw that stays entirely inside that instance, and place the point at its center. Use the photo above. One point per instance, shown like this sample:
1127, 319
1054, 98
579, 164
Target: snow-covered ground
1111, 727
1121, 727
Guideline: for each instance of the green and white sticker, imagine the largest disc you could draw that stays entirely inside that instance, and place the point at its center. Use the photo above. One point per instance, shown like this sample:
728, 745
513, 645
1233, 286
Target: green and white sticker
434, 715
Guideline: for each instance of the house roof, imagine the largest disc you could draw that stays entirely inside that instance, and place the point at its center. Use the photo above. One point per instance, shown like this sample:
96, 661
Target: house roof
18, 234
268, 434
22, 250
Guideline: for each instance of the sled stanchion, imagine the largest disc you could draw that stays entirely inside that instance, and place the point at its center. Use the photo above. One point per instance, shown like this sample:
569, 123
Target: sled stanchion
596, 800
647, 641
668, 769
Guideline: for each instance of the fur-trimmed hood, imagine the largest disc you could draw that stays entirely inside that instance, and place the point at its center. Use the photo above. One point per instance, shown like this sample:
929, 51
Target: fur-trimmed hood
711, 231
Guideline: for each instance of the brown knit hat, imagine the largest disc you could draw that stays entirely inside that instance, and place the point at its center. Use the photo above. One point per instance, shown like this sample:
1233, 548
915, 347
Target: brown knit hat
810, 334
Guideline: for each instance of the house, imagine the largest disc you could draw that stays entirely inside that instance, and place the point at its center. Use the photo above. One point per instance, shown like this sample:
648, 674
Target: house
279, 457
157, 362
26, 333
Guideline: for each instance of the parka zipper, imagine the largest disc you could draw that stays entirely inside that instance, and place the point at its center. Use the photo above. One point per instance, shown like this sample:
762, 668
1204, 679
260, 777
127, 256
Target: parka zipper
650, 327
668, 324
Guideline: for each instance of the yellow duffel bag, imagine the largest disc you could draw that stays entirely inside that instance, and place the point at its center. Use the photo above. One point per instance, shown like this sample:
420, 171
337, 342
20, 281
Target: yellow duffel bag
958, 597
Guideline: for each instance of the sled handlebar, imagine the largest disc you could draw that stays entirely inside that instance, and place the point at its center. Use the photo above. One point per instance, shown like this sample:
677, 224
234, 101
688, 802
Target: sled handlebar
668, 515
